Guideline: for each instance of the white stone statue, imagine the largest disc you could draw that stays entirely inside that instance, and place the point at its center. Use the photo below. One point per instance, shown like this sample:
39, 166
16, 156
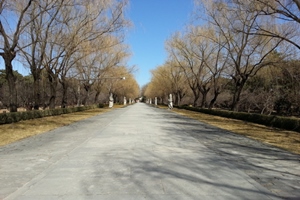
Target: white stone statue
155, 101
111, 101
170, 102
125, 101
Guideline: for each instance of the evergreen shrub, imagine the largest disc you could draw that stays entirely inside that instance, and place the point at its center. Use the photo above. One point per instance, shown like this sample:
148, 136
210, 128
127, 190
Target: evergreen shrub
287, 123
7, 118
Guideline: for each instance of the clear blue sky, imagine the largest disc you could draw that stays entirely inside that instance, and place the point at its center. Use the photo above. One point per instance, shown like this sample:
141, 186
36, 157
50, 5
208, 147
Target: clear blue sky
154, 22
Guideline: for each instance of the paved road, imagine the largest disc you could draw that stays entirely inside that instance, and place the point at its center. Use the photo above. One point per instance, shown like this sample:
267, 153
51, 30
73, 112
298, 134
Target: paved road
142, 152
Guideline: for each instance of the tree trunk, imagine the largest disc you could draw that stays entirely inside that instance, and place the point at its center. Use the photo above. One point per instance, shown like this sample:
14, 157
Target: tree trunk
87, 88
52, 97
179, 97
176, 98
161, 100
36, 94
64, 100
11, 80
53, 85
96, 97
84, 100
36, 90
116, 99
204, 91
235, 99
214, 99
196, 97
237, 93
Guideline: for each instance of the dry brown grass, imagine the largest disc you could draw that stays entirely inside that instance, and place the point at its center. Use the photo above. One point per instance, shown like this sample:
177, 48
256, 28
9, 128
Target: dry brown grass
12, 132
287, 140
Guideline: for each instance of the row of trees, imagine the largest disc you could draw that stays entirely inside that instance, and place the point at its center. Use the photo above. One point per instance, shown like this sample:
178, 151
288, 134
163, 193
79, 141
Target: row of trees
70, 45
78, 92
243, 58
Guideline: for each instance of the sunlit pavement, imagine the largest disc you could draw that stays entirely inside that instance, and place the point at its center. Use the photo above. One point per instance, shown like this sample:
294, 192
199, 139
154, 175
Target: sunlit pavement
142, 152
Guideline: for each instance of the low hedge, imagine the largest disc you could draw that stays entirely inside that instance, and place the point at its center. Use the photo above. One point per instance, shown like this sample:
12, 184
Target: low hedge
7, 118
286, 123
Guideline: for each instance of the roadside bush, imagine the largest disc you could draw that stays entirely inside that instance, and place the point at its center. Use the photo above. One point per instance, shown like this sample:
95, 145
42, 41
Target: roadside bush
100, 105
47, 113
286, 123
14, 117
37, 114
7, 118
27, 115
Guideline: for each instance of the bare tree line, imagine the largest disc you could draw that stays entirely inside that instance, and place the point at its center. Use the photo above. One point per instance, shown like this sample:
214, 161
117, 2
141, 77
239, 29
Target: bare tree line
70, 46
242, 56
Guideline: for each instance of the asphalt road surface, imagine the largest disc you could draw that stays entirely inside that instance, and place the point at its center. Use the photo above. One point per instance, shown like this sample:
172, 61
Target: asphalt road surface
143, 152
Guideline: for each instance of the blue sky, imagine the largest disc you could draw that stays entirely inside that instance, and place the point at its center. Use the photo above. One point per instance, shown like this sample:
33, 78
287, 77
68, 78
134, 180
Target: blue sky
154, 22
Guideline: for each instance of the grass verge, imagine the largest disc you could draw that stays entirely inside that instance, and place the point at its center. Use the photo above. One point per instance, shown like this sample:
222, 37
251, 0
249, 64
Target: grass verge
287, 140
16, 131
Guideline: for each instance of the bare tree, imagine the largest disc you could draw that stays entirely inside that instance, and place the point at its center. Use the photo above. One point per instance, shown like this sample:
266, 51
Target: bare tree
127, 87
248, 53
77, 28
43, 19
10, 32
181, 53
282, 17
167, 79
108, 53
216, 62
191, 53
161, 84
115, 82
110, 60
177, 80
